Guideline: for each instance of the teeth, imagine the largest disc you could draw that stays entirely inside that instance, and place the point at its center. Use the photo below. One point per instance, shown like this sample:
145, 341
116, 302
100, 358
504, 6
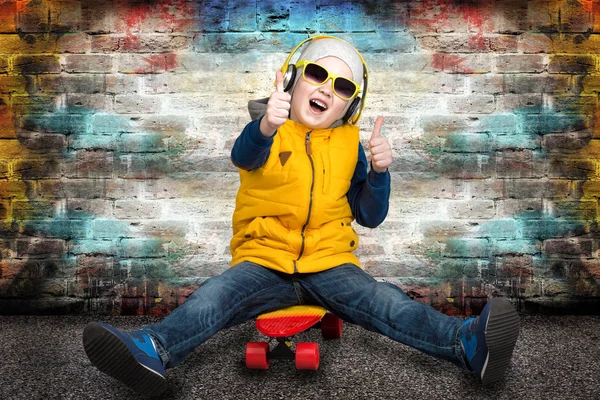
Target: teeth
320, 104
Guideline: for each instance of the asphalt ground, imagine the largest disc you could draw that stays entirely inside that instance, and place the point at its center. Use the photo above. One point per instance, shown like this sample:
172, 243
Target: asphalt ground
556, 357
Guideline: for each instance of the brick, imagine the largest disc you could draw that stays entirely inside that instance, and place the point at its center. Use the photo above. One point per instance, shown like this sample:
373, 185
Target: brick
78, 103
39, 247
183, 16
526, 103
131, 103
65, 16
8, 16
534, 43
463, 63
63, 229
146, 43
33, 210
88, 63
42, 141
572, 64
469, 248
33, 169
552, 123
535, 188
233, 17
515, 164
416, 83
75, 208
523, 83
92, 141
31, 43
585, 105
3, 65
90, 247
572, 16
568, 247
55, 123
106, 43
568, 141
574, 43
93, 164
519, 208
576, 210
515, 247
467, 143
97, 17
121, 84
341, 16
86, 83
42, 64
142, 143
145, 63
515, 63
471, 209
77, 42
143, 166
137, 209
24, 105
273, 16
465, 166
304, 17
472, 104
33, 17
572, 169
486, 84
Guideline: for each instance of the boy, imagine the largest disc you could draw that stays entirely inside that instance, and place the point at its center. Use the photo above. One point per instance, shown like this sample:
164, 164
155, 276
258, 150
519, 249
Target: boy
304, 179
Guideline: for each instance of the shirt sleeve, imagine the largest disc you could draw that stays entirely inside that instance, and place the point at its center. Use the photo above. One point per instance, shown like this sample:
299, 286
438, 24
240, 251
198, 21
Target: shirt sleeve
251, 149
369, 194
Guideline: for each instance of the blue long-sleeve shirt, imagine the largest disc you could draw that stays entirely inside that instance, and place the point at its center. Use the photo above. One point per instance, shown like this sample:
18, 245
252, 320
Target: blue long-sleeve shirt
368, 195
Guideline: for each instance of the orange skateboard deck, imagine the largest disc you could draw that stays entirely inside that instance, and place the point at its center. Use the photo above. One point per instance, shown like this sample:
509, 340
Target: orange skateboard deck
289, 321
282, 325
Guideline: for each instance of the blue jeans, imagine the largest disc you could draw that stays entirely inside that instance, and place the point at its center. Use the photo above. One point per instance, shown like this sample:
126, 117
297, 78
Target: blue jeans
243, 292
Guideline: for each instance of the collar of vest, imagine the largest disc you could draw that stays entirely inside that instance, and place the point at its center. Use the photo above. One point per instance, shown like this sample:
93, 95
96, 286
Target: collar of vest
302, 129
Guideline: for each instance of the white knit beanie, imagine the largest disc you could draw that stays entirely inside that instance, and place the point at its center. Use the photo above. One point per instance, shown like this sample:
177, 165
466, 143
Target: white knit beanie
331, 47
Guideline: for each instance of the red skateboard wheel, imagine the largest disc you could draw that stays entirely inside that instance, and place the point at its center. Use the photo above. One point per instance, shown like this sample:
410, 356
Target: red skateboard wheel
307, 356
256, 355
331, 326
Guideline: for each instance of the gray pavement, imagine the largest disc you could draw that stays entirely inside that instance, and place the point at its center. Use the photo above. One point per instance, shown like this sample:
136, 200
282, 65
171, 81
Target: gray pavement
556, 357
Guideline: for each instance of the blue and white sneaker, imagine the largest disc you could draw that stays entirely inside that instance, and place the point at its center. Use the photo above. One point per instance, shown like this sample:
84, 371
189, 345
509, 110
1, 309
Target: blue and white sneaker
488, 341
130, 357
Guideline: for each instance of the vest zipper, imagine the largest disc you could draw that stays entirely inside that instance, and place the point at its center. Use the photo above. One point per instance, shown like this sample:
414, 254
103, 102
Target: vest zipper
312, 186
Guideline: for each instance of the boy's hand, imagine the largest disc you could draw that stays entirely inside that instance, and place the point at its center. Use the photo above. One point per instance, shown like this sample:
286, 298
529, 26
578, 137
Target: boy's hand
278, 108
381, 152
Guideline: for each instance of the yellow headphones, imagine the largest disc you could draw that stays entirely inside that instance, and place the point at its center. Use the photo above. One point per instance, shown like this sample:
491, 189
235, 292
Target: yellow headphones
358, 104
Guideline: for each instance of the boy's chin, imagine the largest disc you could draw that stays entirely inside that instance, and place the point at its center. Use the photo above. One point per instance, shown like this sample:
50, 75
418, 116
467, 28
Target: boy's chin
317, 121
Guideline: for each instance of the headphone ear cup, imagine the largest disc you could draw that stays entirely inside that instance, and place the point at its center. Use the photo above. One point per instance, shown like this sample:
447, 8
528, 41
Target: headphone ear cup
289, 77
352, 110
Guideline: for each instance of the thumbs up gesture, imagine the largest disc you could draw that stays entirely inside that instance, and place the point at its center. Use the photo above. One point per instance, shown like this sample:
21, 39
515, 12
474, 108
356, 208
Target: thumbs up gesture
278, 108
381, 152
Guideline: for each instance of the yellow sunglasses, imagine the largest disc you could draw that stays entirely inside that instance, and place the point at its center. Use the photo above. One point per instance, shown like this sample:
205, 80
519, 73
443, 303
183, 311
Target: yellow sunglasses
317, 75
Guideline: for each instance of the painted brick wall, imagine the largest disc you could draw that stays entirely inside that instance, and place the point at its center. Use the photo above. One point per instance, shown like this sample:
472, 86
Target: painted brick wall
117, 119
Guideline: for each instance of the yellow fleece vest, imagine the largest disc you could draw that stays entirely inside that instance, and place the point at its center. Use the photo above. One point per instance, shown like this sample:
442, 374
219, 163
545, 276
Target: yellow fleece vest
292, 214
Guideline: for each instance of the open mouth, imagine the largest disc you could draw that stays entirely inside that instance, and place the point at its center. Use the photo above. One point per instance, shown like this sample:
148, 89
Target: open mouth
317, 106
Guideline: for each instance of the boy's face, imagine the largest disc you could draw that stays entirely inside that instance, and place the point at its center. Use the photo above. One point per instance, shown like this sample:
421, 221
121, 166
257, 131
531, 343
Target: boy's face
317, 106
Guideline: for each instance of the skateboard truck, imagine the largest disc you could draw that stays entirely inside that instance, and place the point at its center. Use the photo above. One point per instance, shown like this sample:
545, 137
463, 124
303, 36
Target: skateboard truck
282, 325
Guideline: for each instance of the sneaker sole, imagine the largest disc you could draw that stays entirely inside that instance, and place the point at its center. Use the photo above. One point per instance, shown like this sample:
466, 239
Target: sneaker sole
501, 335
110, 355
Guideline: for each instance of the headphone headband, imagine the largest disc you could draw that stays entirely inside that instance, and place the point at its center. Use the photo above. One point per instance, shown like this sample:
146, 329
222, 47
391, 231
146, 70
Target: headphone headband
354, 119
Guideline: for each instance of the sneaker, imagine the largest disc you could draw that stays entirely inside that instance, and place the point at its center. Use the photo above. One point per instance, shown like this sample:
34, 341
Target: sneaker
487, 342
130, 357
